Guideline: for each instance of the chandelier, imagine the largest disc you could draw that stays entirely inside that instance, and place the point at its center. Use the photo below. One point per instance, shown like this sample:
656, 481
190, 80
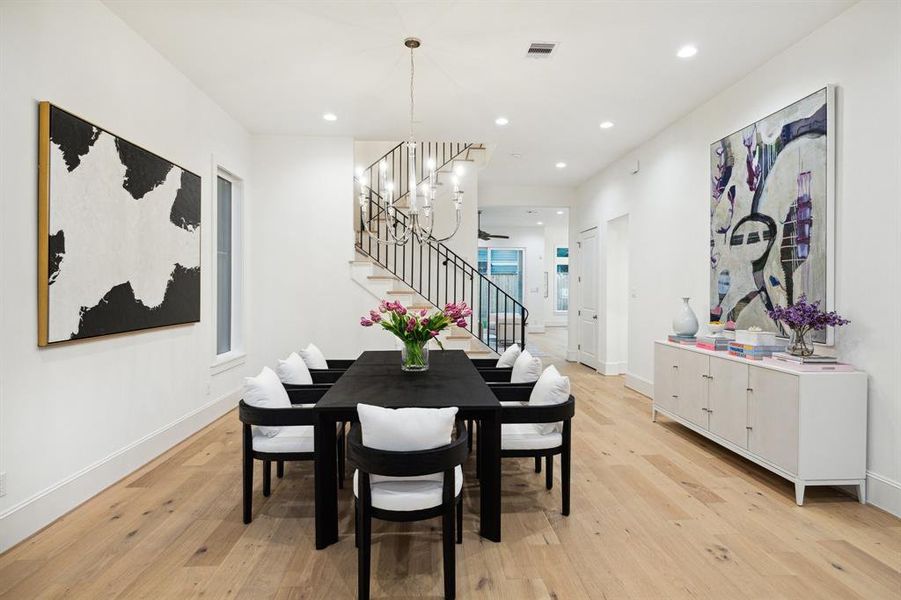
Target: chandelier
420, 218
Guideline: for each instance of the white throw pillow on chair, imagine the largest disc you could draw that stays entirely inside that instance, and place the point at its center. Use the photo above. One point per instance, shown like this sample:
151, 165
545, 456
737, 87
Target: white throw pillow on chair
266, 391
526, 369
551, 388
406, 429
313, 357
509, 357
294, 371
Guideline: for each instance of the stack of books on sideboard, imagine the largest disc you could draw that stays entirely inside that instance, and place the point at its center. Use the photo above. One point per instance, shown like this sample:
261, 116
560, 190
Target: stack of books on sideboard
754, 351
816, 363
719, 343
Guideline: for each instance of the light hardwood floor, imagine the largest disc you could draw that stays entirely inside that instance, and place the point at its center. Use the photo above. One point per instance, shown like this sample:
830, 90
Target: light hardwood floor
657, 512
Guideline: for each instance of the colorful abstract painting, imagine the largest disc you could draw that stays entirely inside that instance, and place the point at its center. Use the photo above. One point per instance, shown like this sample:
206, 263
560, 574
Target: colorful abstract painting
770, 212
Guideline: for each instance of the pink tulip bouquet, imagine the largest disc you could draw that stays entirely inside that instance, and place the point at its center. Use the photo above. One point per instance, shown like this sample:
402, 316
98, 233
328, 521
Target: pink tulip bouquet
416, 328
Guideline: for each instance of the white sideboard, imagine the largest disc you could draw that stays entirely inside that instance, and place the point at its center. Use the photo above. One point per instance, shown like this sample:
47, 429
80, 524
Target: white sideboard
808, 427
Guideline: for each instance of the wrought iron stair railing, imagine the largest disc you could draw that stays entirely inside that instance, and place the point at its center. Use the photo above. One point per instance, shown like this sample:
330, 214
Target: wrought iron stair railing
430, 268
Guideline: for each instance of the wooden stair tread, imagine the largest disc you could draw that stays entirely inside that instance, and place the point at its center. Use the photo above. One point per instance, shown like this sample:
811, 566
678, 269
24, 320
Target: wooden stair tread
385, 277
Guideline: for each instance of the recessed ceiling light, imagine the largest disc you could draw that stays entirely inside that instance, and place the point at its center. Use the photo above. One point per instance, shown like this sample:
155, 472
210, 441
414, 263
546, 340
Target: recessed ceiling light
516, 155
559, 212
501, 121
330, 117
560, 165
539, 223
687, 51
606, 124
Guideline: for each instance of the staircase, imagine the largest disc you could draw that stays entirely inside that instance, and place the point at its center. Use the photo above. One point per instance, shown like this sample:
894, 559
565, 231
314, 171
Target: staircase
428, 274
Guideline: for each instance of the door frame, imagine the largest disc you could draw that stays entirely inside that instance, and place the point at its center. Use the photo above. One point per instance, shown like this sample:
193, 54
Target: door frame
580, 263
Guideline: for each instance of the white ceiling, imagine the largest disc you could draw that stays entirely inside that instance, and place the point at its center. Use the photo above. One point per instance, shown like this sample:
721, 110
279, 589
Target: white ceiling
278, 66
495, 219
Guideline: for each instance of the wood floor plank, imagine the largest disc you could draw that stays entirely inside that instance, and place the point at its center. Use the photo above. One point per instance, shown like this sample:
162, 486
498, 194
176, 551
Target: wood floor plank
658, 512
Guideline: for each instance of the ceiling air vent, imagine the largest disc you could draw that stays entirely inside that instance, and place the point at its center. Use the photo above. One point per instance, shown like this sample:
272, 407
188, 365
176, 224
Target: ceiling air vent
541, 49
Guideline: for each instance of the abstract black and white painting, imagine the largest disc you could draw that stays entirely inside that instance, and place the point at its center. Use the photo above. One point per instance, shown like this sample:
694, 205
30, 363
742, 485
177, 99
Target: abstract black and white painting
771, 214
119, 234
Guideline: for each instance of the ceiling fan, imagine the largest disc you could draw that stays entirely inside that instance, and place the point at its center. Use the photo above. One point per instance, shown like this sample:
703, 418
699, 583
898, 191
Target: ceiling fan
484, 235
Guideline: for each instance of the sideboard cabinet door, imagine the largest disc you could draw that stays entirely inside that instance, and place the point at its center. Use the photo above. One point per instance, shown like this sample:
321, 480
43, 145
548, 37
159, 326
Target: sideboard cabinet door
728, 402
666, 365
692, 384
773, 417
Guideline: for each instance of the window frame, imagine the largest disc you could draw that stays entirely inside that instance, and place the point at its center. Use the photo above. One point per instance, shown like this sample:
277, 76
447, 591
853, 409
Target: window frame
236, 355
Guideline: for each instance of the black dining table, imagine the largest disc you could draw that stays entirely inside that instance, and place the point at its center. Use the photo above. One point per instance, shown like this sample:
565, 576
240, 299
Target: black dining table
376, 378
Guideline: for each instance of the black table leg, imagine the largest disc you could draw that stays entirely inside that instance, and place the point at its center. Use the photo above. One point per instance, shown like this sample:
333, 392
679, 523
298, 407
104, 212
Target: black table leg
490, 481
326, 473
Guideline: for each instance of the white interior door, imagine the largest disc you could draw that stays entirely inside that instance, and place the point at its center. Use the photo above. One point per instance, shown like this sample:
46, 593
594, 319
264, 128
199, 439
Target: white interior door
588, 297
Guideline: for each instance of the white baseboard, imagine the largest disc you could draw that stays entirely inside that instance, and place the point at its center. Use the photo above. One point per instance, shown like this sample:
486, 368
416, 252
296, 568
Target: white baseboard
884, 493
30, 515
613, 368
572, 355
640, 384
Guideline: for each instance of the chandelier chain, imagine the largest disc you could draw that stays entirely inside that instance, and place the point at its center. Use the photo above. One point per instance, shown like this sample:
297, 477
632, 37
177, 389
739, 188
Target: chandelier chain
411, 93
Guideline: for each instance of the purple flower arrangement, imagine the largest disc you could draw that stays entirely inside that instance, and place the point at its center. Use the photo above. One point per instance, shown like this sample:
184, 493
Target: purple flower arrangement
416, 328
802, 317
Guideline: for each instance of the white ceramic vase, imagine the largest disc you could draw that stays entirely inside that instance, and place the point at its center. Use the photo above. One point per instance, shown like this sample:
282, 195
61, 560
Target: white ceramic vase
685, 322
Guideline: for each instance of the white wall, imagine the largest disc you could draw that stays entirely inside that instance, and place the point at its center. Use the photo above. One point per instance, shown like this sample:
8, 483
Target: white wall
613, 340
860, 52
77, 417
531, 240
495, 194
301, 232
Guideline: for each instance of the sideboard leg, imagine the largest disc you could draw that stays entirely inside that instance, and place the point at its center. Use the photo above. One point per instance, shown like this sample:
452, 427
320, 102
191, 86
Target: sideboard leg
799, 494
653, 415
862, 492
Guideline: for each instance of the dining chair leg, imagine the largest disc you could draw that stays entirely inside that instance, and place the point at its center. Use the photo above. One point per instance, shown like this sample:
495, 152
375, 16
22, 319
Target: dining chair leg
549, 473
447, 541
538, 464
248, 474
565, 465
280, 469
342, 456
470, 432
356, 523
363, 554
267, 477
460, 518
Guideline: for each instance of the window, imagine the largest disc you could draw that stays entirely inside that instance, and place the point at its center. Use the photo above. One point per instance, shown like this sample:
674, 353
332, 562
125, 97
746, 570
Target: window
223, 266
228, 267
561, 279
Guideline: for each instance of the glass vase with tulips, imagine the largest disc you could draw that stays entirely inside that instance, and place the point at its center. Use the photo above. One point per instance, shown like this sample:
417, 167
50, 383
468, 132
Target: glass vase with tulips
416, 328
